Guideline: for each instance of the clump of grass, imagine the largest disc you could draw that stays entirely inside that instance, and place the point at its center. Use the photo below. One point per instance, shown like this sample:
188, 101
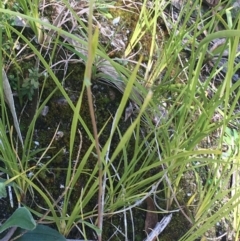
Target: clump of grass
170, 150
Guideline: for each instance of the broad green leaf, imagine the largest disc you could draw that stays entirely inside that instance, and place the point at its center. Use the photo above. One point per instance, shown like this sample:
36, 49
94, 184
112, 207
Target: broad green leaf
40, 233
20, 218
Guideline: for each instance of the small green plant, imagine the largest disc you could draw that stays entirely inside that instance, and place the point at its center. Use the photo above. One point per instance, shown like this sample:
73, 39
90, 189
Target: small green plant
13, 80
21, 225
21, 218
31, 83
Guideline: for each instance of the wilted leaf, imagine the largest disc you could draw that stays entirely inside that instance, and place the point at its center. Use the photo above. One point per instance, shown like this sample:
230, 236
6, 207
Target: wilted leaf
8, 96
151, 217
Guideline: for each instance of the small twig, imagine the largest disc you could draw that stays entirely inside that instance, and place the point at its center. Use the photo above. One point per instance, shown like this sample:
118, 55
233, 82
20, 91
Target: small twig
9, 234
159, 228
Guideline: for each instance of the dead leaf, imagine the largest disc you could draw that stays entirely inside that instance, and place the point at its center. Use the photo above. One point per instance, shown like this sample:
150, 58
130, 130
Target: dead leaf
151, 217
128, 111
8, 96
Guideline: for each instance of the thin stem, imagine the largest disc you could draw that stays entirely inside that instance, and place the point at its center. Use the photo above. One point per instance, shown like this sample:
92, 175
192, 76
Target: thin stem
87, 82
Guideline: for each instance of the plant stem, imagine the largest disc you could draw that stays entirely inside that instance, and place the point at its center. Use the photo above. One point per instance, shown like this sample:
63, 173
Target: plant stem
87, 81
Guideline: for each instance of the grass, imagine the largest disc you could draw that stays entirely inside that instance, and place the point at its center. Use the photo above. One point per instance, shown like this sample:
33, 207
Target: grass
155, 160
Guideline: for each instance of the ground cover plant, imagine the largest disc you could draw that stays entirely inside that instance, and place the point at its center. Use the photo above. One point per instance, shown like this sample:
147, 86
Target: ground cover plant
119, 121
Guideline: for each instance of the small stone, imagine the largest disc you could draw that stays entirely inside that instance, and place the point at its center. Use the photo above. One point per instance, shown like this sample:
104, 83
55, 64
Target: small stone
59, 135
116, 20
45, 110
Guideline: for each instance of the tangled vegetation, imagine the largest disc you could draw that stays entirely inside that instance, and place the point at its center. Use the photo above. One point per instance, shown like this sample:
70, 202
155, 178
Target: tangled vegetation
120, 120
